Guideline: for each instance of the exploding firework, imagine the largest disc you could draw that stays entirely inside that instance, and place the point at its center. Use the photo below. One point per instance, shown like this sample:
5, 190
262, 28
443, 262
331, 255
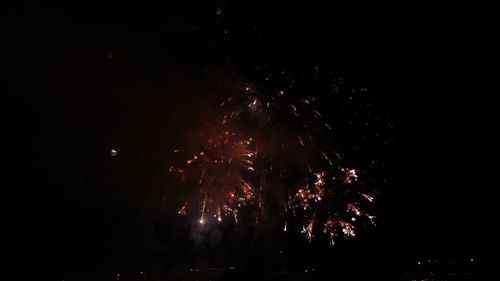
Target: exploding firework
262, 144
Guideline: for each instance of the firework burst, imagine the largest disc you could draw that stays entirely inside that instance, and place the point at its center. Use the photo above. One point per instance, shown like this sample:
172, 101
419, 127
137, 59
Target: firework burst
262, 144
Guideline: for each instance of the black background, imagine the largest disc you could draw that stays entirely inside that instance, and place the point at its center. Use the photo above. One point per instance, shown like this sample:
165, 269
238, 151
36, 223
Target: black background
69, 208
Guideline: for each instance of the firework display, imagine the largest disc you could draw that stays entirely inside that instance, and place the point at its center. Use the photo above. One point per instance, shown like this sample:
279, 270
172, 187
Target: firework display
264, 145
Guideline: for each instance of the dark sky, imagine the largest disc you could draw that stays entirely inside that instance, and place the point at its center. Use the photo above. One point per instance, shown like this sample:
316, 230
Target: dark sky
71, 208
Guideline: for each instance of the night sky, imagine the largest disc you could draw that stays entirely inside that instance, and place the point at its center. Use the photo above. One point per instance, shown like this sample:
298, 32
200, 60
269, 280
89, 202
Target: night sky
82, 80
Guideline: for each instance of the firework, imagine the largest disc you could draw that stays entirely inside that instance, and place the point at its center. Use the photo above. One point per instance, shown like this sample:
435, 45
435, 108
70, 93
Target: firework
262, 144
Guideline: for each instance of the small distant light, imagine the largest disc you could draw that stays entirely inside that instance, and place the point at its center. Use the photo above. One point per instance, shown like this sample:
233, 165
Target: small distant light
305, 270
113, 152
419, 263
202, 221
472, 260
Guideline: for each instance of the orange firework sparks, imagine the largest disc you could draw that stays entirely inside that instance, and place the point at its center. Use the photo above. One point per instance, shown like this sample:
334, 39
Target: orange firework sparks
249, 148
